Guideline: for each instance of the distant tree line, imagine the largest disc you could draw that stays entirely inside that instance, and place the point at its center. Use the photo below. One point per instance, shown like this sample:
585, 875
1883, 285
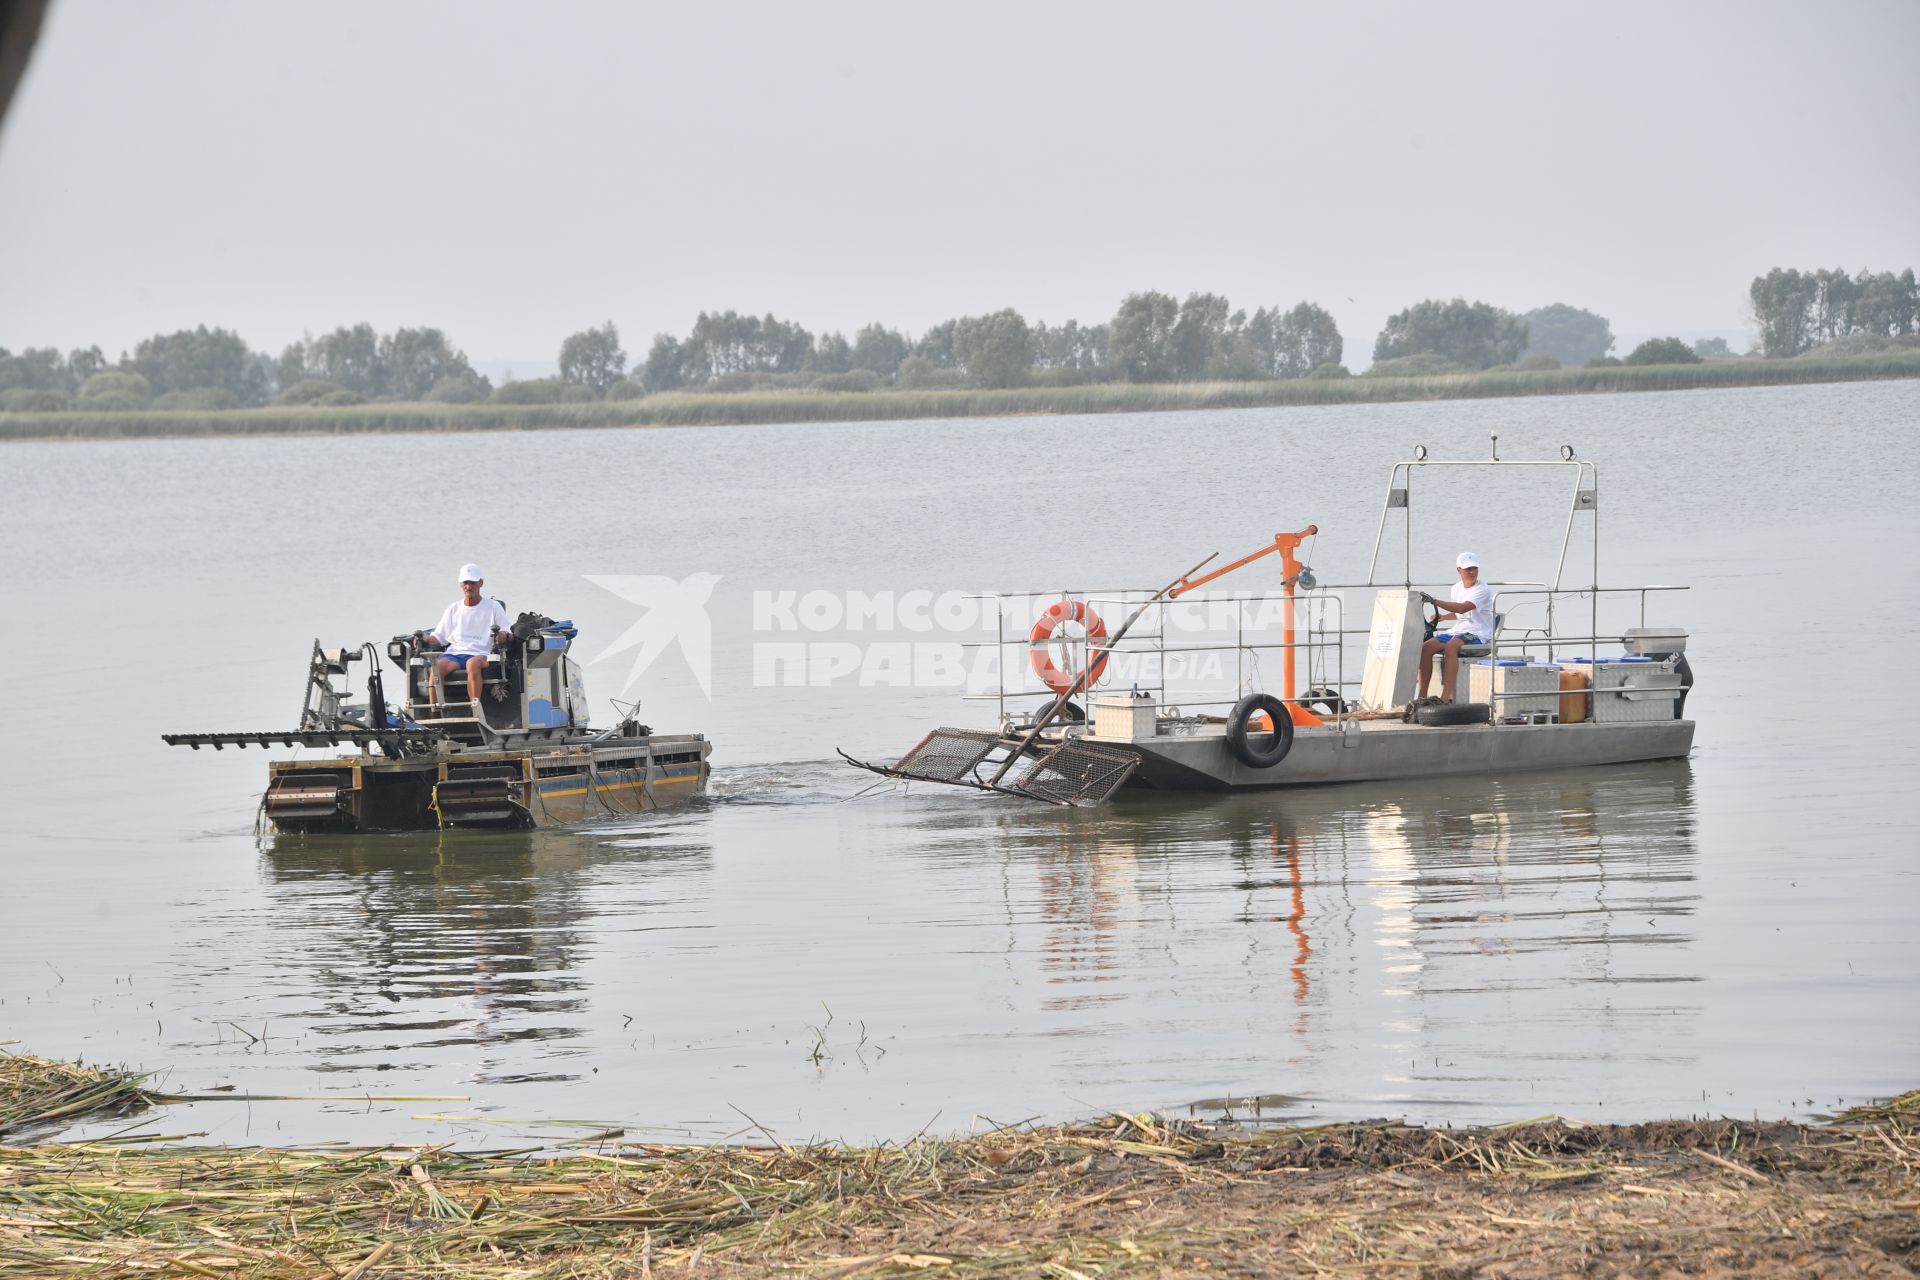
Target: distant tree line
1152, 337
204, 369
1798, 310
354, 364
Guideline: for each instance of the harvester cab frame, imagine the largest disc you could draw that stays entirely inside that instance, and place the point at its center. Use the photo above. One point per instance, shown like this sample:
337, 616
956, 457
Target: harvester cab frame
531, 684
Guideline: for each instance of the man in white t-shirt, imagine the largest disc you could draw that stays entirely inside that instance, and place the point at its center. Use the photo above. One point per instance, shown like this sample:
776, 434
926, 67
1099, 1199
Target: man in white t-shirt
470, 628
1473, 616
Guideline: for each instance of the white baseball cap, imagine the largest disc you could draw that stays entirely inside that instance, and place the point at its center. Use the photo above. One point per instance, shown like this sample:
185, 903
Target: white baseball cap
1465, 560
471, 573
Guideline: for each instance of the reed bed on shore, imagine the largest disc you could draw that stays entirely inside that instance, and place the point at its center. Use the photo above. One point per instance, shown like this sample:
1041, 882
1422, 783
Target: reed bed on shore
773, 407
1129, 1195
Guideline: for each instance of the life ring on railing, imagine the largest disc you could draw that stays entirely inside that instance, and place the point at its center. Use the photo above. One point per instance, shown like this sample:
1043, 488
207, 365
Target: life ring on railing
1042, 658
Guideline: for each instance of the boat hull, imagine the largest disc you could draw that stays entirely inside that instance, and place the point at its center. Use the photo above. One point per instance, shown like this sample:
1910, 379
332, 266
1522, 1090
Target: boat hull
526, 788
1377, 751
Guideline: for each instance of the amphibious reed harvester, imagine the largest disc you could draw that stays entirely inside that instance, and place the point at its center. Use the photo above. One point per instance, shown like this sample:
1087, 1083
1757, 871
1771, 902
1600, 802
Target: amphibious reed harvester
519, 755
1551, 690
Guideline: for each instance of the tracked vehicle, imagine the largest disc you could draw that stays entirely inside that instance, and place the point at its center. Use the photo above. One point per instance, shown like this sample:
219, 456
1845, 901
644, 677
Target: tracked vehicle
518, 752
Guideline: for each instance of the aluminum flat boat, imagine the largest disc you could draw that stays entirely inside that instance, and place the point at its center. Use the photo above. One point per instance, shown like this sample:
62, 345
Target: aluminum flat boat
1553, 688
517, 753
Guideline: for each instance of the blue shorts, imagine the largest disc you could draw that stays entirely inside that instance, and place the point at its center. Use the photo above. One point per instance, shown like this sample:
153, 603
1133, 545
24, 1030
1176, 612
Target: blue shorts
462, 658
1448, 637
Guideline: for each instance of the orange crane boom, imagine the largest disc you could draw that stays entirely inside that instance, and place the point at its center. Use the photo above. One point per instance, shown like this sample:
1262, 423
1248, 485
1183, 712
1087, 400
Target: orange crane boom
1287, 544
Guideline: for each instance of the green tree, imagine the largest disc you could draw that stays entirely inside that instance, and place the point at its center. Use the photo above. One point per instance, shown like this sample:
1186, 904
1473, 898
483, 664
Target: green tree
349, 357
35, 369
1304, 339
1783, 311
880, 350
1712, 349
83, 363
662, 370
291, 367
202, 359
1070, 346
1568, 334
1886, 304
1832, 313
413, 361
35, 400
725, 342
1662, 351
114, 390
1140, 337
996, 349
937, 346
308, 391
1199, 337
832, 353
1475, 335
456, 388
593, 359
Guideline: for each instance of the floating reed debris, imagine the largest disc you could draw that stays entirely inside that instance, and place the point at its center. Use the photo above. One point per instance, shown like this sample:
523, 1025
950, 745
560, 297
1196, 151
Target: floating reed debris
38, 1094
1131, 1195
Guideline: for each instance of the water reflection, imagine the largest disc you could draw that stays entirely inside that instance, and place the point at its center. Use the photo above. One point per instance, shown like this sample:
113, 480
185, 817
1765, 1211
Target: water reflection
398, 950
1443, 940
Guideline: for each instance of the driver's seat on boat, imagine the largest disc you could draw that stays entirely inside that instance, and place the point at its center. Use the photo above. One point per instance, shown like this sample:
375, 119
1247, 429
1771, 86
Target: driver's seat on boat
1468, 652
1485, 650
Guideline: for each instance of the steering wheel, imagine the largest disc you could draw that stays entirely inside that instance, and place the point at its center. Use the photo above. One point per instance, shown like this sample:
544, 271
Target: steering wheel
1430, 613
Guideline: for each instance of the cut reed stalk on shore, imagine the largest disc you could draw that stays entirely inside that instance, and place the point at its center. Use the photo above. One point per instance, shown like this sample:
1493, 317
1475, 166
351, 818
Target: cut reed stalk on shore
1132, 1195
37, 1094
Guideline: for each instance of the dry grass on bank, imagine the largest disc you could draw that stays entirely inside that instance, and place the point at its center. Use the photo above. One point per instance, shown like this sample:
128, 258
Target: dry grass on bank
1126, 1197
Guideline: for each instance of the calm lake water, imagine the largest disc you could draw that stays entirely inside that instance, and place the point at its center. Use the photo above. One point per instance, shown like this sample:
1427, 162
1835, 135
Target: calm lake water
1730, 934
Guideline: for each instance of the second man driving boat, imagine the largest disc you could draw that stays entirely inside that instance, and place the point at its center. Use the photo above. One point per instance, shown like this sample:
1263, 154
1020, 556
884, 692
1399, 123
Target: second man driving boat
1475, 627
470, 628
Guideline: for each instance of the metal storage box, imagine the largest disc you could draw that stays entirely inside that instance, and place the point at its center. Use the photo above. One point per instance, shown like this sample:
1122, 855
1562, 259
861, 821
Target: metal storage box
1648, 641
1515, 687
1124, 717
1634, 690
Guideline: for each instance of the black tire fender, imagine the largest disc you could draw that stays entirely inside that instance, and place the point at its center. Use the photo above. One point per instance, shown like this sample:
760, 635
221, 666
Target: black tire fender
1439, 713
1324, 701
1245, 751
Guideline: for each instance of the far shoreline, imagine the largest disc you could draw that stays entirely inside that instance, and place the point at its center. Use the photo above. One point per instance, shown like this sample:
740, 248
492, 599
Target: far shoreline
784, 408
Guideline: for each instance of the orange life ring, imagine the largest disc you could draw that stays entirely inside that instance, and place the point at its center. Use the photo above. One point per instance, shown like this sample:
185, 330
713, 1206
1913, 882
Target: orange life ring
1042, 659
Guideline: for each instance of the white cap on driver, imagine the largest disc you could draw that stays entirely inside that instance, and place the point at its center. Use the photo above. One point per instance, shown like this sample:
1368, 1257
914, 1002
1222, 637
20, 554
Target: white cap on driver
471, 573
1465, 560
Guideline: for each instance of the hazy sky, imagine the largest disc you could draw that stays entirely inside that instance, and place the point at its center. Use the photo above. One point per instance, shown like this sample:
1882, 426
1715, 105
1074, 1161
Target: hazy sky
513, 172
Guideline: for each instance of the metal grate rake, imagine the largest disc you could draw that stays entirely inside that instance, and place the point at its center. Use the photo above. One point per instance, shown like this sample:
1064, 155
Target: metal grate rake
1069, 772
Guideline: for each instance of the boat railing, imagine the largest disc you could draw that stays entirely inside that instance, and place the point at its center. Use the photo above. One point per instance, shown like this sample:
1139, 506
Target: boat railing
1322, 635
1316, 641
